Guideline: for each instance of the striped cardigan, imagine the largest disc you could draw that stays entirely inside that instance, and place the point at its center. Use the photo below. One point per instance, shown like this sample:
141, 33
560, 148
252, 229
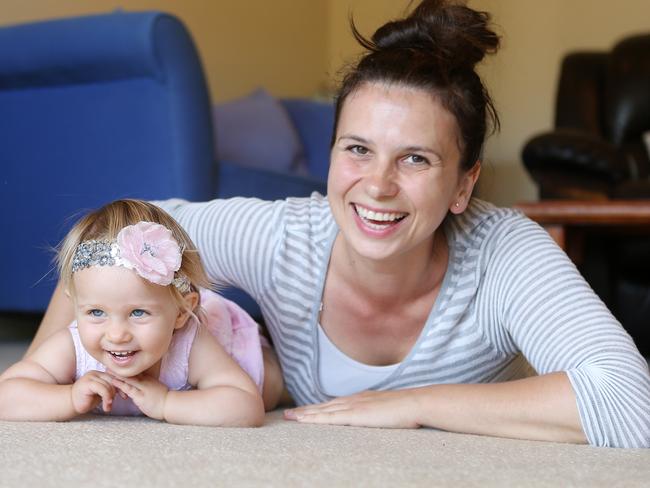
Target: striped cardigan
510, 299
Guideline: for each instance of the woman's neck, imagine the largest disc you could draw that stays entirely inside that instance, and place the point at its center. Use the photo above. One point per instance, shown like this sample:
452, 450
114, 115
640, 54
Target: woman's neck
396, 280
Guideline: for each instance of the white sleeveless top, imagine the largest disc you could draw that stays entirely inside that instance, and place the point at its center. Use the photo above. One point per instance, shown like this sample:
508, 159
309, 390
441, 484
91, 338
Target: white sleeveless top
341, 375
174, 368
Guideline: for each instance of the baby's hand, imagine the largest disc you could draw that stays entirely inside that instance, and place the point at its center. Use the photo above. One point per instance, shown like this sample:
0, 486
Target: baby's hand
147, 393
91, 389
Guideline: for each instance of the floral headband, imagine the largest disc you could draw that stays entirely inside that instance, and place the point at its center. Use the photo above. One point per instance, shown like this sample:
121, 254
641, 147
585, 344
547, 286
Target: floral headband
146, 247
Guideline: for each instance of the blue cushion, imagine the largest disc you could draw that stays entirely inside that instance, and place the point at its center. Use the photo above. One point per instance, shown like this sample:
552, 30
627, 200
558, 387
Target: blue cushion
314, 121
256, 131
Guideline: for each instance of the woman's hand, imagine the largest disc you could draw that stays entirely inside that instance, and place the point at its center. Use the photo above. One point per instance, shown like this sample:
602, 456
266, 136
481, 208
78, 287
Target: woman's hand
540, 408
91, 389
392, 409
147, 392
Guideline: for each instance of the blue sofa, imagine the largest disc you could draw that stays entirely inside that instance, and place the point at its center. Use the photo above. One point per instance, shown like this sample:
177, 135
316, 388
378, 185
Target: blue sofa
110, 106
93, 108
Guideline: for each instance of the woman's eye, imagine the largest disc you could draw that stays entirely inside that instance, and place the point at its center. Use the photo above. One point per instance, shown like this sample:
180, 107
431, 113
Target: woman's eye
138, 313
95, 312
357, 149
416, 159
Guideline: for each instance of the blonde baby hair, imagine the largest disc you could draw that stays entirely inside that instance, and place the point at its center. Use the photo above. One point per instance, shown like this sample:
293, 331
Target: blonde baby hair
106, 222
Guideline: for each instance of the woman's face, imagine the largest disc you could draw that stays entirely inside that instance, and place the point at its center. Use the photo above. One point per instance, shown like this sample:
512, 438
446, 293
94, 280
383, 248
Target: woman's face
394, 171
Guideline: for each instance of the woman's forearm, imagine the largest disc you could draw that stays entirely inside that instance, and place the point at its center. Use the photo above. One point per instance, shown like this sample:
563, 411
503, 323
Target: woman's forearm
59, 314
537, 408
224, 406
24, 399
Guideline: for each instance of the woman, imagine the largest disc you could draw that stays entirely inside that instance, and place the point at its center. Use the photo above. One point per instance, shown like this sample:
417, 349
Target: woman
400, 301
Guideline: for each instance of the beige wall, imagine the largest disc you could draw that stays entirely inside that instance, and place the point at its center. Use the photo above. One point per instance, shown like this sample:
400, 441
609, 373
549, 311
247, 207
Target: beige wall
368, 15
523, 76
296, 47
279, 44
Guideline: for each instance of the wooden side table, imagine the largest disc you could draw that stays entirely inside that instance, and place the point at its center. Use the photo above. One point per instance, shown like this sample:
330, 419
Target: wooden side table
568, 220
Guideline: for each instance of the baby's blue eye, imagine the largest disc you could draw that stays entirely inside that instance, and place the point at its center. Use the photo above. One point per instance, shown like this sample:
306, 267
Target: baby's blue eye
138, 313
95, 312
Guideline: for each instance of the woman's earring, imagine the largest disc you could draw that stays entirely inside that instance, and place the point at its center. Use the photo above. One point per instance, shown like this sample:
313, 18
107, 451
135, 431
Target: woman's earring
456, 204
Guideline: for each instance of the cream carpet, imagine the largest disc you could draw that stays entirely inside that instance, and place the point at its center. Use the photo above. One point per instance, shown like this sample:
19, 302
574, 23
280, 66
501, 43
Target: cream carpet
102, 451
107, 452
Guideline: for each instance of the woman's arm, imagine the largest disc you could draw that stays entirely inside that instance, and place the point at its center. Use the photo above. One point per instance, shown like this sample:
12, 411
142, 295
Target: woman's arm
537, 408
236, 238
592, 382
547, 311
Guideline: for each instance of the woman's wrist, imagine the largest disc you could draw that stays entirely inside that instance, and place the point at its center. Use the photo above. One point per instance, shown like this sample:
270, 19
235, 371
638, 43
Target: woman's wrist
424, 405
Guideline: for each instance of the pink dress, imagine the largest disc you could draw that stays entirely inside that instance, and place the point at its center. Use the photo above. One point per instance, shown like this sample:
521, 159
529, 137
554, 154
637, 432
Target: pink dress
235, 330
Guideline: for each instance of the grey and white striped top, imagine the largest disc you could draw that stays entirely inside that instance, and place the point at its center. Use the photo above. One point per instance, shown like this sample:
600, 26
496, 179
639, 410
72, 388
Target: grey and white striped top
509, 293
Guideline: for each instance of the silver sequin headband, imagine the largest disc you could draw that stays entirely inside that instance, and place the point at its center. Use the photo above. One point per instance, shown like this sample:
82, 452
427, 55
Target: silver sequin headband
146, 247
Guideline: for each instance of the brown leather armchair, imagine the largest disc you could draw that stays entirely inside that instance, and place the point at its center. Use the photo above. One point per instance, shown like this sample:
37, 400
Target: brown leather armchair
597, 151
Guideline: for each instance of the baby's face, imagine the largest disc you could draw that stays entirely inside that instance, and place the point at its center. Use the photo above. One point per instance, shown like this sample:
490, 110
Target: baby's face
124, 321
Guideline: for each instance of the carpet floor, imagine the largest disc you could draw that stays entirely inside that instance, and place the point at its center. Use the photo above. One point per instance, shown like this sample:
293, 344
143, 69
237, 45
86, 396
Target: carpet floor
108, 451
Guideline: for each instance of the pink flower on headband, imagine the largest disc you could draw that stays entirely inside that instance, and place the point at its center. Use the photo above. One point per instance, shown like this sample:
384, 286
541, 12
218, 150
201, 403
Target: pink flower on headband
151, 250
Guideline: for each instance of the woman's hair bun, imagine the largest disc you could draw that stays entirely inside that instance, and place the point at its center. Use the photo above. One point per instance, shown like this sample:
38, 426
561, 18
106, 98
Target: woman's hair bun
452, 33
435, 48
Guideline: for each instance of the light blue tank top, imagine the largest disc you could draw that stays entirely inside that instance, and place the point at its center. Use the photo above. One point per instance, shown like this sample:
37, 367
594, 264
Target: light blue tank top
341, 375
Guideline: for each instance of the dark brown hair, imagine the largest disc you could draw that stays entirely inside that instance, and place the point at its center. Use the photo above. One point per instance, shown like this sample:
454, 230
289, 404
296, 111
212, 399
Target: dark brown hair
436, 49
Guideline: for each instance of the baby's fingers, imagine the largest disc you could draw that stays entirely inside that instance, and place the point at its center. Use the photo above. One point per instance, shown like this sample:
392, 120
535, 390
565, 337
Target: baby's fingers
105, 377
127, 388
104, 390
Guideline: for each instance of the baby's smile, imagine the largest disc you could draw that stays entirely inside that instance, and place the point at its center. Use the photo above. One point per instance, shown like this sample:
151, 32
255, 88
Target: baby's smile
122, 357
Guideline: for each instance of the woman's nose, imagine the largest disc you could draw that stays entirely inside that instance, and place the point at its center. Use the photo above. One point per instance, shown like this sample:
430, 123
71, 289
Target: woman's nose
381, 181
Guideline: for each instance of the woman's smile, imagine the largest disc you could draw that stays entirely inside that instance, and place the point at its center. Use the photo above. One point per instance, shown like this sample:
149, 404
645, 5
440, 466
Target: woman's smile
390, 189
377, 222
